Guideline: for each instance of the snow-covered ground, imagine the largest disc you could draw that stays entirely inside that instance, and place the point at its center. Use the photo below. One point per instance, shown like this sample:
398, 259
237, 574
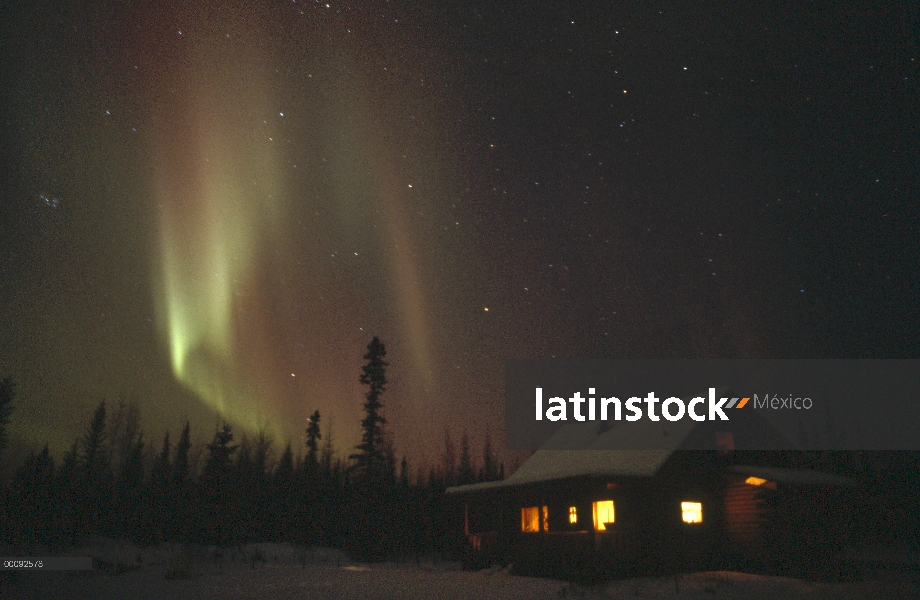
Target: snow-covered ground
282, 572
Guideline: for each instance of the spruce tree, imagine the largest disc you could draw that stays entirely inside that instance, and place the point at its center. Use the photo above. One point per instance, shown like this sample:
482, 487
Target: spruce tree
282, 497
262, 455
373, 467
123, 429
159, 475
216, 488
7, 391
285, 469
448, 475
313, 435
466, 473
93, 457
130, 490
489, 466
93, 515
328, 454
404, 473
28, 501
220, 453
178, 506
133, 472
159, 494
370, 460
180, 463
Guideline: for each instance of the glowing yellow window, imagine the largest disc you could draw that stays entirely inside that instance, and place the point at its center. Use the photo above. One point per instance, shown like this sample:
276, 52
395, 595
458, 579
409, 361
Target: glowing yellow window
759, 481
530, 519
545, 518
573, 514
692, 512
603, 514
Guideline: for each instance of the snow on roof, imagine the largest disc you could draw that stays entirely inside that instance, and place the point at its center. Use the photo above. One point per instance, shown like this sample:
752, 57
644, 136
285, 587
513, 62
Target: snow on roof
549, 465
595, 449
590, 450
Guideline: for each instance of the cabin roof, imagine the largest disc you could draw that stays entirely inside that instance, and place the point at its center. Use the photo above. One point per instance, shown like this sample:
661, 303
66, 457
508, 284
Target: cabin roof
594, 451
551, 465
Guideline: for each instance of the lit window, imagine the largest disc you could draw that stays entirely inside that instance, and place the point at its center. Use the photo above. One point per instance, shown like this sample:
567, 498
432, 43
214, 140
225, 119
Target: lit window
692, 512
759, 481
530, 519
573, 514
603, 514
545, 518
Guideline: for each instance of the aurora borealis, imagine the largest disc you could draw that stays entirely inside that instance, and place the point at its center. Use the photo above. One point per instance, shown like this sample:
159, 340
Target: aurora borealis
218, 198
224, 198
245, 193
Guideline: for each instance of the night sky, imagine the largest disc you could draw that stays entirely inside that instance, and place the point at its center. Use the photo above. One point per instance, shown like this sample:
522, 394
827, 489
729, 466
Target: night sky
212, 208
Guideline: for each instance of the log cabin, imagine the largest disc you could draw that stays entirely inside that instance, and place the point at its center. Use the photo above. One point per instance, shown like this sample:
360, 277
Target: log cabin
705, 501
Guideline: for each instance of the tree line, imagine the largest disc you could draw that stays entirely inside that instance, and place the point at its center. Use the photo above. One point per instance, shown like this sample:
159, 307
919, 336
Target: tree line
235, 490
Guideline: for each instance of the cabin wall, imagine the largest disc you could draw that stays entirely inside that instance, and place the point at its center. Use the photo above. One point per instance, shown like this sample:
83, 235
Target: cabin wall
648, 530
744, 515
761, 528
788, 529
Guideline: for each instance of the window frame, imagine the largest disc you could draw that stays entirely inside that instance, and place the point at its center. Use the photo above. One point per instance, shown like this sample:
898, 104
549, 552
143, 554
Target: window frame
693, 508
603, 505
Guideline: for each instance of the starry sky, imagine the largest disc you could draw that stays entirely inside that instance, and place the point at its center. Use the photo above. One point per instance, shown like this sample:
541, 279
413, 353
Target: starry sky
211, 207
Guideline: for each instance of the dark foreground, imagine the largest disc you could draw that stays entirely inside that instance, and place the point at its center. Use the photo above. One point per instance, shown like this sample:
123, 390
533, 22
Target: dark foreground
326, 574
